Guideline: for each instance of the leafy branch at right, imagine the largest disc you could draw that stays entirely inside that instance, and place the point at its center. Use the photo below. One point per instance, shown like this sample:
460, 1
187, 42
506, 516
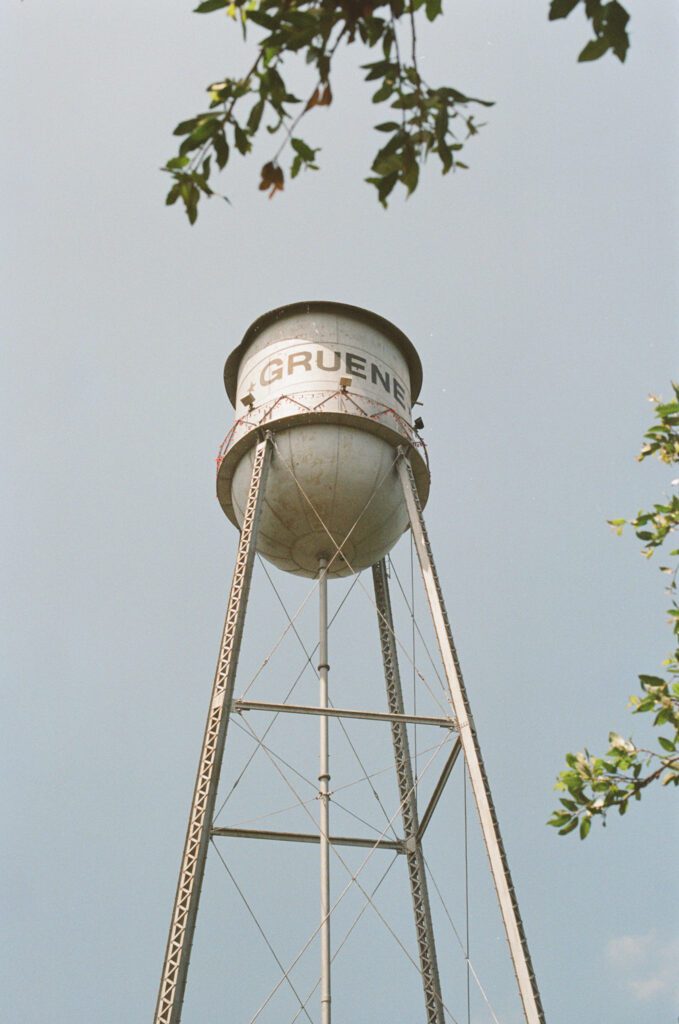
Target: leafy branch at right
593, 785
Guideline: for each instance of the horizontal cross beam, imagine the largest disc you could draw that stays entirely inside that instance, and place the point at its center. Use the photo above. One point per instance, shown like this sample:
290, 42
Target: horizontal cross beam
370, 716
309, 837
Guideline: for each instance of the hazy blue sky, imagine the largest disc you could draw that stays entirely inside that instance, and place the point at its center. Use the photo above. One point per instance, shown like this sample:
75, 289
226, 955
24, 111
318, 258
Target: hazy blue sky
540, 288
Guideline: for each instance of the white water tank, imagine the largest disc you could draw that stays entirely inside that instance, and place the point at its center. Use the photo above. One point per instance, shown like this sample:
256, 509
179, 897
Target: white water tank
335, 385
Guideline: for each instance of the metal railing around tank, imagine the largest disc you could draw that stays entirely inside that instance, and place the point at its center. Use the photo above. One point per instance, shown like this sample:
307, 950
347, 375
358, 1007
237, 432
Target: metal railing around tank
347, 403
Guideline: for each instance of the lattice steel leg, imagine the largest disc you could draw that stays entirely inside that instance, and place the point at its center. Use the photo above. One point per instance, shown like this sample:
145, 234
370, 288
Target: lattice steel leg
406, 789
178, 952
509, 908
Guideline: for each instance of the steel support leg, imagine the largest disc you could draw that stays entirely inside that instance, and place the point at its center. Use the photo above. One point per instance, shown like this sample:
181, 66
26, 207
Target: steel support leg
178, 952
408, 797
509, 908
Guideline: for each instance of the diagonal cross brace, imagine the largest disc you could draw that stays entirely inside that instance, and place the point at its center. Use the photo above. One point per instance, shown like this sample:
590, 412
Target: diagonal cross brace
178, 951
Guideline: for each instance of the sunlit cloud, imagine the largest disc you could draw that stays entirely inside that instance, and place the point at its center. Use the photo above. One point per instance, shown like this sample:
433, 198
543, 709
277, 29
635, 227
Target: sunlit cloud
648, 963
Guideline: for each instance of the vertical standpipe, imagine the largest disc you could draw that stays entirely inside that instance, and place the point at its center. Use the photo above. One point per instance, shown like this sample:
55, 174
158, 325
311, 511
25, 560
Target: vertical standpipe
324, 792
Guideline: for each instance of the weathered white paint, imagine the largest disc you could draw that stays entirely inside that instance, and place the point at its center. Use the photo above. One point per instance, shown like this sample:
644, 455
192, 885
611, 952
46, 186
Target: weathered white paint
333, 490
295, 367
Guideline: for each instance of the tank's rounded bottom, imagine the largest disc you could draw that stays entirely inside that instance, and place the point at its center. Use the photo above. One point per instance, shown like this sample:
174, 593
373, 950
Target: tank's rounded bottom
332, 492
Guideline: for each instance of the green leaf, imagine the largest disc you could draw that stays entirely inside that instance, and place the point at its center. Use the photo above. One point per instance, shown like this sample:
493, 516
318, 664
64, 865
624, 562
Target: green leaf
384, 186
595, 48
305, 152
210, 5
585, 826
561, 8
378, 69
667, 409
206, 127
432, 9
242, 141
568, 828
186, 127
387, 165
446, 156
221, 148
667, 744
391, 148
407, 102
651, 681
255, 116
264, 20
383, 93
190, 195
387, 126
177, 162
372, 30
173, 195
411, 177
616, 29
203, 185
459, 97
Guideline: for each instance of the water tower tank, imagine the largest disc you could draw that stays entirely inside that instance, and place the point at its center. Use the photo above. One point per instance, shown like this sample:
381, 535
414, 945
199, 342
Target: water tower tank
335, 385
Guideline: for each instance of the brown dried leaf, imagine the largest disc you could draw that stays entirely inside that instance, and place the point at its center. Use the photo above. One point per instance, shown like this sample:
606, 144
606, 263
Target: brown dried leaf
313, 100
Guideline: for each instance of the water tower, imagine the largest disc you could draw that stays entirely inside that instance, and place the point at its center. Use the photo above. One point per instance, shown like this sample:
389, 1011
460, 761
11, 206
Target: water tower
322, 472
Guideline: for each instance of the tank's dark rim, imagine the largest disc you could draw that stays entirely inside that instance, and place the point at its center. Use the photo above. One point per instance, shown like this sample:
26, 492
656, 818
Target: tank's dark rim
402, 342
233, 456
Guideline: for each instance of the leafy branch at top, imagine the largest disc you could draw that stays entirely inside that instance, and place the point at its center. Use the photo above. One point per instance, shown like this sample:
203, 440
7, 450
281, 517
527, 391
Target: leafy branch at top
426, 121
596, 784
